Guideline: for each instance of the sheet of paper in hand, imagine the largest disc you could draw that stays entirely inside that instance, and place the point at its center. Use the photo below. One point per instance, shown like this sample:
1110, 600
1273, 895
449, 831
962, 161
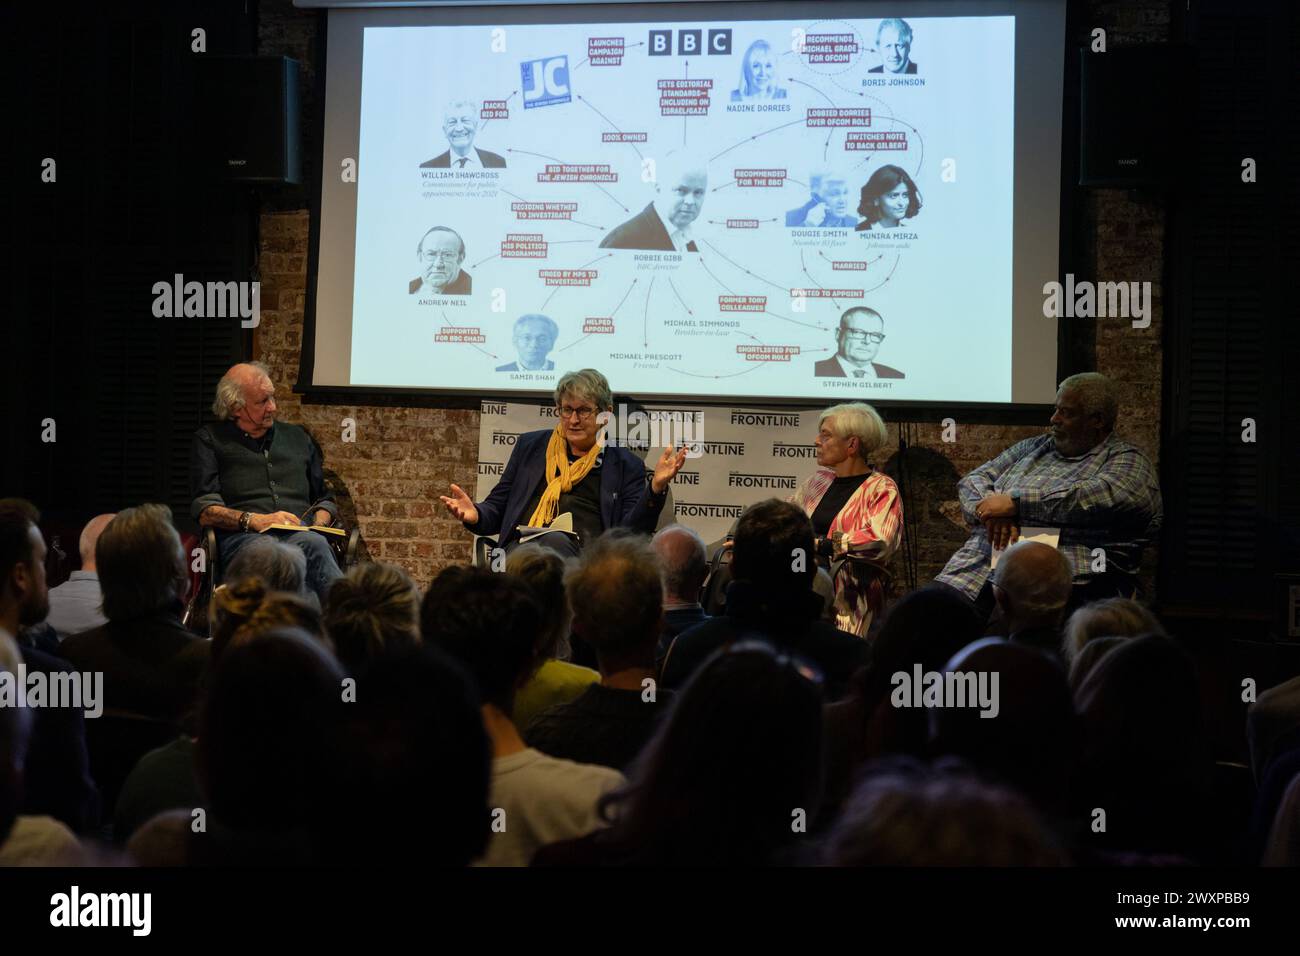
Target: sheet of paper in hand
1048, 536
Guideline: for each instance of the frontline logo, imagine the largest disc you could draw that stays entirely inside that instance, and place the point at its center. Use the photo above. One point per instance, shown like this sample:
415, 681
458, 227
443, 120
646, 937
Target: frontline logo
691, 509
740, 480
545, 82
784, 450
491, 468
505, 438
771, 419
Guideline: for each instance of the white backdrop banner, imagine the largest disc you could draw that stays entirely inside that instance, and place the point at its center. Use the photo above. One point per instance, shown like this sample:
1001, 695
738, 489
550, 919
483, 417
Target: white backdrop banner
737, 456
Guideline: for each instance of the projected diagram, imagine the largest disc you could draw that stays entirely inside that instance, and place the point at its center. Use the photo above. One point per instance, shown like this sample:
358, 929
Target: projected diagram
685, 205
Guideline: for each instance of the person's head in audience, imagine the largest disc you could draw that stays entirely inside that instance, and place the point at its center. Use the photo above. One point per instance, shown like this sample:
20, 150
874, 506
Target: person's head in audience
924, 627
905, 813
734, 766
1110, 617
1146, 753
542, 569
417, 751
617, 599
15, 724
276, 564
1092, 652
1031, 585
89, 537
269, 736
141, 564
488, 622
247, 608
773, 551
1017, 723
682, 561
24, 598
372, 608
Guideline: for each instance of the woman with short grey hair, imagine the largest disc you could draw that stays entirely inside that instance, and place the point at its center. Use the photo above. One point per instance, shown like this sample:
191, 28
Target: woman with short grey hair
569, 471
856, 513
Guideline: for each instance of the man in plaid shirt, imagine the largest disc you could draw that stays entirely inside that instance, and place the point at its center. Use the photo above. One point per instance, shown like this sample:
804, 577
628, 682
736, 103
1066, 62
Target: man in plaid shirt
1100, 491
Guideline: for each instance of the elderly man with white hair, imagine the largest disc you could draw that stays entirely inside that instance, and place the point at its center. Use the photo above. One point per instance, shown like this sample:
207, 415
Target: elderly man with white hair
460, 124
828, 203
1100, 491
248, 472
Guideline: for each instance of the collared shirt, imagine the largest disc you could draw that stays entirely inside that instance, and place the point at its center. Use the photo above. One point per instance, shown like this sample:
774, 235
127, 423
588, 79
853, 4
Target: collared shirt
469, 161
1106, 498
856, 371
679, 237
75, 604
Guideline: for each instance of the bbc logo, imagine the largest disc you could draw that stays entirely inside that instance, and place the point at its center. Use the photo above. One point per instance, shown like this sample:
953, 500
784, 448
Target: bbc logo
545, 82
690, 43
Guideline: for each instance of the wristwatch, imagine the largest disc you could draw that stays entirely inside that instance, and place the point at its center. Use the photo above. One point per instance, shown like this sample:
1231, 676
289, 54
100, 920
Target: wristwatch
244, 518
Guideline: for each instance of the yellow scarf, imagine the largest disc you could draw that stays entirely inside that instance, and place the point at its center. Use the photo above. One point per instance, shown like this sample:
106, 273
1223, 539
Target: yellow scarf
561, 475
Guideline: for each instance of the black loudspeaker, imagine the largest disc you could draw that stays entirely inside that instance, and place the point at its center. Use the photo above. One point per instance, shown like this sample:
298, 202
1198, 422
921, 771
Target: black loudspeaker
1130, 112
246, 119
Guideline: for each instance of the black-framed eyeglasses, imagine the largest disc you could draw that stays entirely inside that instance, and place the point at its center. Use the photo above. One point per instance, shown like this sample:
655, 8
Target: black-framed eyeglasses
583, 413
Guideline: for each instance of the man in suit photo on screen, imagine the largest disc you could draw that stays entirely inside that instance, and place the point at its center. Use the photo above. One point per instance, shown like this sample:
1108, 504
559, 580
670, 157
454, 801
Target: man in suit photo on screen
680, 184
460, 123
828, 203
534, 337
440, 253
858, 339
894, 43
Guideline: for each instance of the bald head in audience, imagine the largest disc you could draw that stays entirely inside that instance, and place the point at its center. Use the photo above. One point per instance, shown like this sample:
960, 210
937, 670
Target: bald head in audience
1032, 585
683, 563
89, 535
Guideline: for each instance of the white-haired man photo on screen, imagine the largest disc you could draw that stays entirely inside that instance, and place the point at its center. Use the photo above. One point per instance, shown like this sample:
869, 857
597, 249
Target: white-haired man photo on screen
534, 337
894, 44
441, 252
460, 124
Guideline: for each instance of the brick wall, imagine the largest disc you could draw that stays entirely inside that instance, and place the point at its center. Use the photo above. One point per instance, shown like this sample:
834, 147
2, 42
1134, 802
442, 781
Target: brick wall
389, 478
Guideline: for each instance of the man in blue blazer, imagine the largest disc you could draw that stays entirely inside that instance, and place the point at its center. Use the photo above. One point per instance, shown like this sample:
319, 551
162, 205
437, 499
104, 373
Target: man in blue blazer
607, 487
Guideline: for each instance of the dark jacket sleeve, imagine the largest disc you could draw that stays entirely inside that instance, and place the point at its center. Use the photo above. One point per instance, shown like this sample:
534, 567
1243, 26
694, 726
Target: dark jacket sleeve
205, 476
57, 772
491, 508
638, 506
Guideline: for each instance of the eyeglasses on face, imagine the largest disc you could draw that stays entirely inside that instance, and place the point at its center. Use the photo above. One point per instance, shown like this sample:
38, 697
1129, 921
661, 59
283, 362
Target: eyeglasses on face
583, 413
437, 255
858, 335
